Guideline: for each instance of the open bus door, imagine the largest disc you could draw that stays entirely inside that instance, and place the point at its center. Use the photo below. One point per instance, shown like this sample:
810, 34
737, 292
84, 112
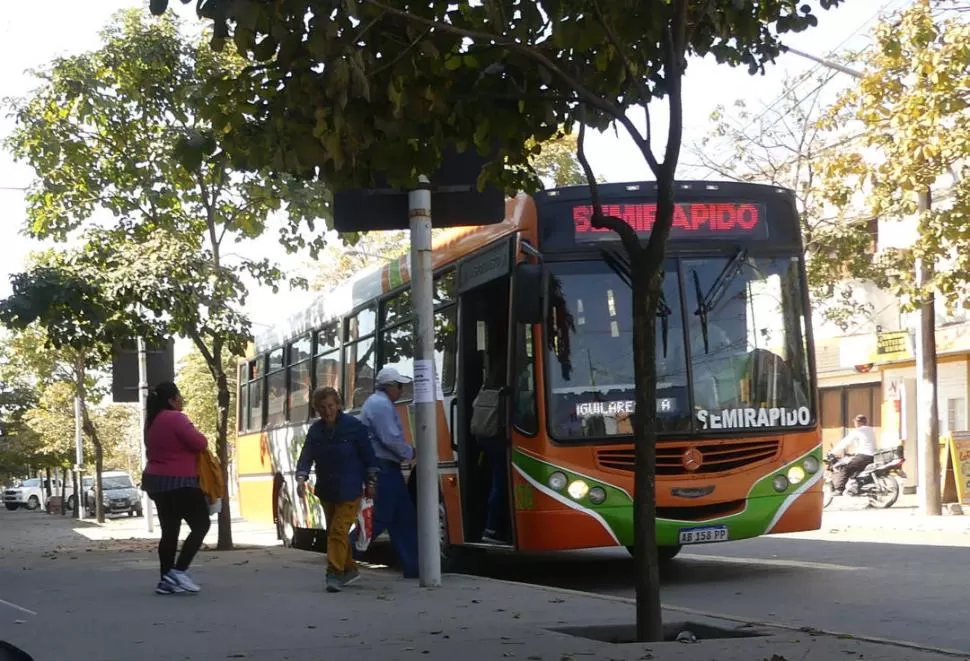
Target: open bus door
484, 284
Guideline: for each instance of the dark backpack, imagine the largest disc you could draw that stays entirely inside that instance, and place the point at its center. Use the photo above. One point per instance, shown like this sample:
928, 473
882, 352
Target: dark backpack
487, 413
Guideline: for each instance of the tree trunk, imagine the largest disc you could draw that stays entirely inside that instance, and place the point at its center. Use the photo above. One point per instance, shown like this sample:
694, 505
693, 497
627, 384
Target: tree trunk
224, 543
48, 483
87, 425
92, 433
646, 287
64, 492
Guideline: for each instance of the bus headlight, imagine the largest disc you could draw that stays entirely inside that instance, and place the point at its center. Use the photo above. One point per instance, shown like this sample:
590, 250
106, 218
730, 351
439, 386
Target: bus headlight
796, 474
578, 489
780, 483
810, 465
557, 481
597, 495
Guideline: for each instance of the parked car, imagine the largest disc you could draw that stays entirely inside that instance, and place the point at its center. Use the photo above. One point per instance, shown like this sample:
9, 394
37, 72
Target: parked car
30, 494
119, 495
87, 484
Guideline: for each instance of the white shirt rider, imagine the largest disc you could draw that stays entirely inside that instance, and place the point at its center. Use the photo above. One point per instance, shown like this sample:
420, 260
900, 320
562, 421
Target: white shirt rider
862, 437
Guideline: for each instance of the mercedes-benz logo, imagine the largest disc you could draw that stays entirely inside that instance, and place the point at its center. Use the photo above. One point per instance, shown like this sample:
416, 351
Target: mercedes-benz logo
692, 459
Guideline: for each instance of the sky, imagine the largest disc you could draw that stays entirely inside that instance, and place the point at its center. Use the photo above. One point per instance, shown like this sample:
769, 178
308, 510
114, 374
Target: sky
33, 33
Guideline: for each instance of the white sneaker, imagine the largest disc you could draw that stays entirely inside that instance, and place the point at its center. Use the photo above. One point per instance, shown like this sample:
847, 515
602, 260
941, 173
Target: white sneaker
183, 580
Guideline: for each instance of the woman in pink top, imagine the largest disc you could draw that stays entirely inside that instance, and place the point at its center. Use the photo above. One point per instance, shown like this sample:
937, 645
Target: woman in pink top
171, 479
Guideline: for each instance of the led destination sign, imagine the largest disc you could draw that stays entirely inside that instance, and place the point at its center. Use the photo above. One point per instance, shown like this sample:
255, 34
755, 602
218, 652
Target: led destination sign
692, 220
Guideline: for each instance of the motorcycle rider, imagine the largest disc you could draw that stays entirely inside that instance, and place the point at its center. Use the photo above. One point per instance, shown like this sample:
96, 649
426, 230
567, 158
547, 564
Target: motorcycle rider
863, 438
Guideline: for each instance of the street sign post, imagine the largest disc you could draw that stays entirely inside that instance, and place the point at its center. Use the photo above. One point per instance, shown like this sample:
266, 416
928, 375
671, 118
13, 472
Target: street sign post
454, 195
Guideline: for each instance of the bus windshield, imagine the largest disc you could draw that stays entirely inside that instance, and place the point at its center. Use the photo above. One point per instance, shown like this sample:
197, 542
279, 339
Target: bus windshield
744, 340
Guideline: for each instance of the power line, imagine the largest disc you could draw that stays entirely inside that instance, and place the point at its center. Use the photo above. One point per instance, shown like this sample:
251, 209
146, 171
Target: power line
808, 74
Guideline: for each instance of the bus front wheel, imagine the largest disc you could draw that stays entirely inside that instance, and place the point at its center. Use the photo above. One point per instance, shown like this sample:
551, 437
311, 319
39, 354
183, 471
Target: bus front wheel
664, 553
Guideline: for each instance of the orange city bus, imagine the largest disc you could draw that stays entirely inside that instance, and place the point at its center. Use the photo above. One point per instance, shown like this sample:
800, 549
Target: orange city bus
544, 298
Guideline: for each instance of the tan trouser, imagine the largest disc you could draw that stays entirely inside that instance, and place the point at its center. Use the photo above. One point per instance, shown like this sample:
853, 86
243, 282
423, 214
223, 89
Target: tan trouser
340, 518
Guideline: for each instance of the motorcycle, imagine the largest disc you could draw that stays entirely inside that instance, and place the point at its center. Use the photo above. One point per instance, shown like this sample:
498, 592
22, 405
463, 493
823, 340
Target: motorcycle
877, 481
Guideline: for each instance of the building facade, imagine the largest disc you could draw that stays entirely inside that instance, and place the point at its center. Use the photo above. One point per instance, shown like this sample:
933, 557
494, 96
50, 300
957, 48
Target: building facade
875, 374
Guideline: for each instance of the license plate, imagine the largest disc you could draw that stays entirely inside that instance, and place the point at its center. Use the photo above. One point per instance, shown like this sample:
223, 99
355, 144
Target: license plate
703, 535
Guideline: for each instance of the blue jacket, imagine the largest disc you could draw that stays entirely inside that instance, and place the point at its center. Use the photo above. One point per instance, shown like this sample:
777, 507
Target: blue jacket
343, 455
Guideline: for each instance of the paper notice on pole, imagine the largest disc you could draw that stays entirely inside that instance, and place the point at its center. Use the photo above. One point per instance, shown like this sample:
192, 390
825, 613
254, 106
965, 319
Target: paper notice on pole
423, 382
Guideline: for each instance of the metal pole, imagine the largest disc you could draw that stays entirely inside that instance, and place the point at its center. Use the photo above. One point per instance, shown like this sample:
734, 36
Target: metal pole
143, 405
927, 411
429, 545
78, 460
828, 64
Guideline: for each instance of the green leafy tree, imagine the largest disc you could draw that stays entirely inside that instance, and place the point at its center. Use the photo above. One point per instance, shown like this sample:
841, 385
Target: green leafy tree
119, 427
914, 111
338, 262
121, 130
373, 86
555, 162
18, 447
58, 372
913, 105
200, 393
783, 143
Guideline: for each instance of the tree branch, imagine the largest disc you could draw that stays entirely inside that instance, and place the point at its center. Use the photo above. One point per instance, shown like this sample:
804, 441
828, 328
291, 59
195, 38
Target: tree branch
585, 94
407, 49
626, 233
676, 33
645, 95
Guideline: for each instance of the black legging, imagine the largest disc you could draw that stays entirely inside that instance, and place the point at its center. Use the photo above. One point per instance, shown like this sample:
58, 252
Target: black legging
186, 504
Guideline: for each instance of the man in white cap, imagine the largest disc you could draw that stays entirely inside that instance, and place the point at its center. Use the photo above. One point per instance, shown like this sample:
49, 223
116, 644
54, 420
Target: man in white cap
393, 508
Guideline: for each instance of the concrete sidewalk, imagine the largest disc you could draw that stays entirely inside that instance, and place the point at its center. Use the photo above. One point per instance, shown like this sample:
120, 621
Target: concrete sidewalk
849, 519
269, 604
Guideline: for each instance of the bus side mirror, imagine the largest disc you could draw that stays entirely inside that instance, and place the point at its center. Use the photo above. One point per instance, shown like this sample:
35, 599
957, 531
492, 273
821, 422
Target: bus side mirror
530, 293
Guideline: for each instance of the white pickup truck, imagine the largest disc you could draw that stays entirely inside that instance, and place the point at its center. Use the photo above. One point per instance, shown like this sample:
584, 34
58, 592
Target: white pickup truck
31, 494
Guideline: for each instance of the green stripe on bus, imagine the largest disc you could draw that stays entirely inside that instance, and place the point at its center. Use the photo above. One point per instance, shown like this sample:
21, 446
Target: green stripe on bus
761, 506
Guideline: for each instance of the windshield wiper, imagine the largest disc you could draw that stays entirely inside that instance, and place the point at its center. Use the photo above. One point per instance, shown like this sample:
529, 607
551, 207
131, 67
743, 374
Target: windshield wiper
707, 302
618, 262
663, 311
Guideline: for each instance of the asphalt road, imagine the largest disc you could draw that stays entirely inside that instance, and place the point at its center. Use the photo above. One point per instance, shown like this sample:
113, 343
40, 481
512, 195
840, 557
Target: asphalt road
904, 592
848, 577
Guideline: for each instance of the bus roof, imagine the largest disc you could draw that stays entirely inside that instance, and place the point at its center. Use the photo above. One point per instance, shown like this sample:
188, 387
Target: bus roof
648, 189
368, 284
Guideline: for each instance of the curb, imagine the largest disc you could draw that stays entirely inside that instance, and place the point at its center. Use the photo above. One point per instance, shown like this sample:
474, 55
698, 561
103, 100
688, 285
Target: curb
904, 644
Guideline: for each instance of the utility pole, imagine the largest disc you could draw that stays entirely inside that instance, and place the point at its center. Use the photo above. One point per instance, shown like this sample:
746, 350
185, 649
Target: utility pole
143, 406
425, 438
79, 493
927, 406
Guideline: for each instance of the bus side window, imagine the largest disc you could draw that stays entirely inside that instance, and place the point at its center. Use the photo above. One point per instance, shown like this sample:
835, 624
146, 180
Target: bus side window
524, 415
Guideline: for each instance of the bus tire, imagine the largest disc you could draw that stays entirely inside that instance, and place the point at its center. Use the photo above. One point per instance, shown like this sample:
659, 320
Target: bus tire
454, 558
291, 536
665, 554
